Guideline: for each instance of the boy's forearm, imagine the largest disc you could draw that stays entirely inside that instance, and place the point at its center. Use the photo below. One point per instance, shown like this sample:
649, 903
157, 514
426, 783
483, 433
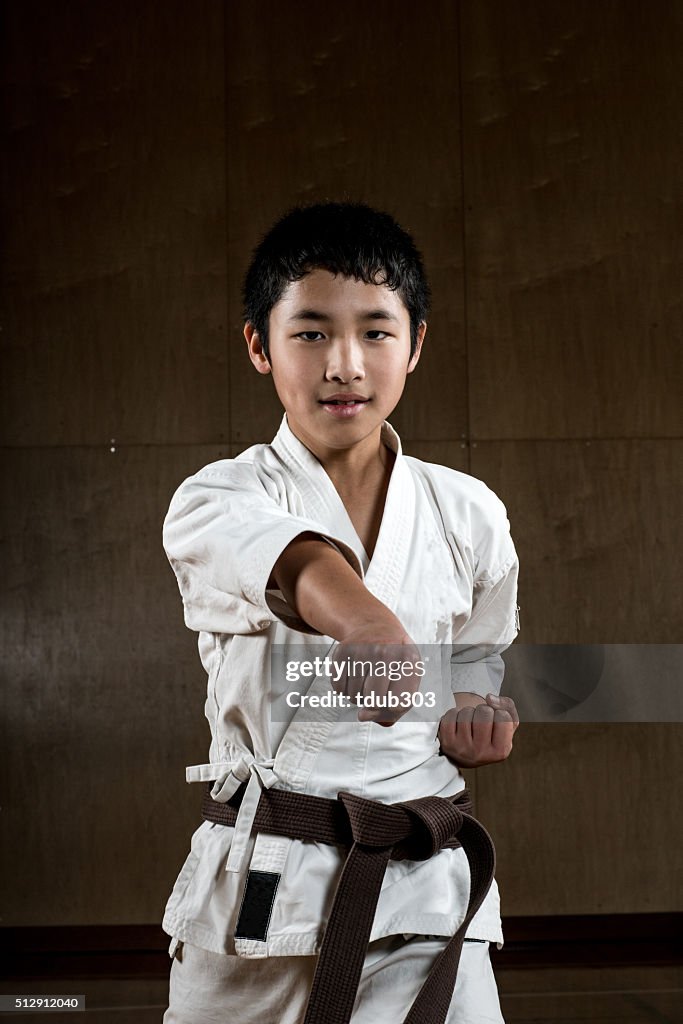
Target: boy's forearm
325, 592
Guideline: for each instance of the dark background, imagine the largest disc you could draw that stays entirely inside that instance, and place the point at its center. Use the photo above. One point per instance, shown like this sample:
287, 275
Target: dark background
535, 151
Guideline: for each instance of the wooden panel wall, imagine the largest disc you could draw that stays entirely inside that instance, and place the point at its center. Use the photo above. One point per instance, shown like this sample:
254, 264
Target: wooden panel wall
114, 326
533, 150
596, 525
572, 149
572, 152
581, 818
106, 691
115, 229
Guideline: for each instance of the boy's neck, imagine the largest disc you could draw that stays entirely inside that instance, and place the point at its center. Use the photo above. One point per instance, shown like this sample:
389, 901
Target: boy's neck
353, 468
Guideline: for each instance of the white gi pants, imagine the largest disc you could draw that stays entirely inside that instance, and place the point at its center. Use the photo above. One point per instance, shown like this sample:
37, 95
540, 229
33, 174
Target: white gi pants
208, 988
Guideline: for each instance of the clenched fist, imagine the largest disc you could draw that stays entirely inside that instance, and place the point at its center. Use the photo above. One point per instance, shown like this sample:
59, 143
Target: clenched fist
387, 666
477, 735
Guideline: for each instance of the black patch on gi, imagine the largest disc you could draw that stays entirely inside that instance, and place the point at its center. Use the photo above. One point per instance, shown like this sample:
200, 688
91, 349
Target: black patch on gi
257, 905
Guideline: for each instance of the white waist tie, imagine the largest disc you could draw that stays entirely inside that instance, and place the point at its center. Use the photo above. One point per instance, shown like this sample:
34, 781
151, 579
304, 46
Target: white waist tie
229, 776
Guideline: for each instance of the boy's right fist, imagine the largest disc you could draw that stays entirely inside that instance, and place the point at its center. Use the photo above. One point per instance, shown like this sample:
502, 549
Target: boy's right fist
377, 667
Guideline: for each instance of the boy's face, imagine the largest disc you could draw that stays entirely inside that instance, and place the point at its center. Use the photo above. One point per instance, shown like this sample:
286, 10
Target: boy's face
334, 337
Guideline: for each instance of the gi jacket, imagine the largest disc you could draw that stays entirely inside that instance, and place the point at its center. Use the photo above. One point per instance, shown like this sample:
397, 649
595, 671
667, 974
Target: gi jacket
445, 564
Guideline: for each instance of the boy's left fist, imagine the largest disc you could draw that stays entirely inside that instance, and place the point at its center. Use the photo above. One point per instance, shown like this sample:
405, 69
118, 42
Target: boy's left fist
474, 736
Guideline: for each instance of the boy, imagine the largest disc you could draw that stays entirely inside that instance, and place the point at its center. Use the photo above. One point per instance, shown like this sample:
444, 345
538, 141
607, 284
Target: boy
330, 534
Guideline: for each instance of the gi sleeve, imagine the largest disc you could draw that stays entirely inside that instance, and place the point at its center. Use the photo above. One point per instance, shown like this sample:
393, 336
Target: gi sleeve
476, 662
223, 534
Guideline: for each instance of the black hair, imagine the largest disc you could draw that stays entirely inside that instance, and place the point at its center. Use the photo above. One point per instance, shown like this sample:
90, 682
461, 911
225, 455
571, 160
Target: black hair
350, 239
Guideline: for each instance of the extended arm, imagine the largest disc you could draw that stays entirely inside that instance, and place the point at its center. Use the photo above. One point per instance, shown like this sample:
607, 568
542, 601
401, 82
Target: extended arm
325, 592
323, 589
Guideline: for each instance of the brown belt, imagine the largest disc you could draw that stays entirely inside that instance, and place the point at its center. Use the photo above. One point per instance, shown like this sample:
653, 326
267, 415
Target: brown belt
375, 833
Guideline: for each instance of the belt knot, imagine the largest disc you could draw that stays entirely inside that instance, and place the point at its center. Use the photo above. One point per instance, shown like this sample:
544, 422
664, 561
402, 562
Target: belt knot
414, 829
373, 824
438, 821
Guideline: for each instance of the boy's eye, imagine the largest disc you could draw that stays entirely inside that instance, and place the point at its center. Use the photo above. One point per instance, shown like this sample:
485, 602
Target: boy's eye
305, 335
383, 334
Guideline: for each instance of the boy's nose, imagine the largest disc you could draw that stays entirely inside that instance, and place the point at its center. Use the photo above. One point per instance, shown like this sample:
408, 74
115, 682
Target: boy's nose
345, 362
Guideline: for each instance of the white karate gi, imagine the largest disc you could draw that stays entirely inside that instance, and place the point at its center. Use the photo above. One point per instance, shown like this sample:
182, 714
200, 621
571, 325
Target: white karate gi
444, 562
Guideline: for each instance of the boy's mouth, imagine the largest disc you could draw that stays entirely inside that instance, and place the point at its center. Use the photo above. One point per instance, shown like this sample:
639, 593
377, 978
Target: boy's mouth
344, 406
344, 400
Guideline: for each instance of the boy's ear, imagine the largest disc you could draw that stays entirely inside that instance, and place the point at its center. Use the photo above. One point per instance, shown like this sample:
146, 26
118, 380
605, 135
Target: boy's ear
255, 346
421, 331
